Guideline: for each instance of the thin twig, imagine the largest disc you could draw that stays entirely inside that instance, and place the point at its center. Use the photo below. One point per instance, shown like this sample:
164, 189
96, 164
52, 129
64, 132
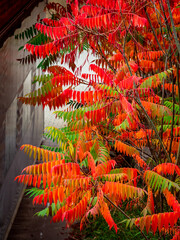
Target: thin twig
154, 128
173, 26
172, 124
177, 79
149, 20
108, 63
178, 155
163, 90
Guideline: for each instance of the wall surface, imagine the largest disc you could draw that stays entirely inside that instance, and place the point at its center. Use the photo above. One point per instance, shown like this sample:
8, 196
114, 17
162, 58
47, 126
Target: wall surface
50, 118
19, 124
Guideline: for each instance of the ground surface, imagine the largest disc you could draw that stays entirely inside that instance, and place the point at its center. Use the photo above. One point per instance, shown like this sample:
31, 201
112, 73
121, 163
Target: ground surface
27, 226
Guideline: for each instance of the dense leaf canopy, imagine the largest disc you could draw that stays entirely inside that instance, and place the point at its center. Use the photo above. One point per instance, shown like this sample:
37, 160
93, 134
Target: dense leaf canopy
121, 142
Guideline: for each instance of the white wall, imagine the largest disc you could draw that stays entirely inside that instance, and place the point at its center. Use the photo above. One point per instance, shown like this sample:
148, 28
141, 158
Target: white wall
49, 117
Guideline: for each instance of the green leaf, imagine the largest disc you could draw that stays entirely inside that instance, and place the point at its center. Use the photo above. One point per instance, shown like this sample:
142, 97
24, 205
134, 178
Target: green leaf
156, 181
21, 48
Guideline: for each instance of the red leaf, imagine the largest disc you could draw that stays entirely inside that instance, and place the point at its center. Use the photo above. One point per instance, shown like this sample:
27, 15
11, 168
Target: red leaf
45, 198
154, 223
148, 223
50, 197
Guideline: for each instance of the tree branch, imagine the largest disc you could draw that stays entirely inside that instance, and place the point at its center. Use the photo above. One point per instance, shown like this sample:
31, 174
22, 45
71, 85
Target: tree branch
120, 210
173, 27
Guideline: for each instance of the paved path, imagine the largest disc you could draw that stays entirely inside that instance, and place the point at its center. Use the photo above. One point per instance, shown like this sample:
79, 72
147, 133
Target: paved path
27, 226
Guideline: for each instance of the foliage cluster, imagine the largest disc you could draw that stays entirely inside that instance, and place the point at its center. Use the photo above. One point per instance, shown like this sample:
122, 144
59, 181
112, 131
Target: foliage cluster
121, 146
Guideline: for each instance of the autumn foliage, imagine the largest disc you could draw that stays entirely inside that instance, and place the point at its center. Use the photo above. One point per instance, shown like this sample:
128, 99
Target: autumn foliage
121, 142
